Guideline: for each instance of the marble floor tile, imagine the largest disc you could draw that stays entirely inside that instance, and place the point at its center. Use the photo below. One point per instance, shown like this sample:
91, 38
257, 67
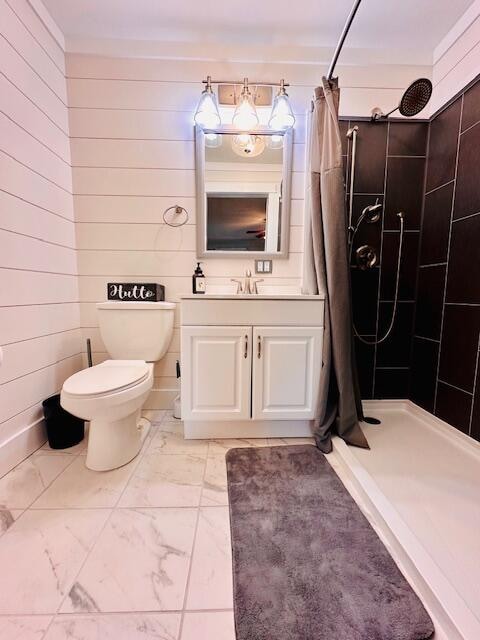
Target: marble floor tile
278, 442
208, 625
8, 517
78, 486
172, 441
217, 447
165, 481
215, 482
139, 563
81, 447
25, 482
158, 626
210, 585
40, 555
24, 627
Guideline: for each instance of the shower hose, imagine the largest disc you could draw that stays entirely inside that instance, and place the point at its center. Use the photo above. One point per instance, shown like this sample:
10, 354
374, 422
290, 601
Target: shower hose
376, 341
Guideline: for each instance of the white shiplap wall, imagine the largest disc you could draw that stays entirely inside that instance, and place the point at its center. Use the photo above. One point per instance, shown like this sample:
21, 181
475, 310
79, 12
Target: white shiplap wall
131, 125
457, 58
39, 311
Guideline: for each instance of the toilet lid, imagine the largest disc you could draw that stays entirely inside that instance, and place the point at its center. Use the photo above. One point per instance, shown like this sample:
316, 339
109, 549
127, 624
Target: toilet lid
106, 377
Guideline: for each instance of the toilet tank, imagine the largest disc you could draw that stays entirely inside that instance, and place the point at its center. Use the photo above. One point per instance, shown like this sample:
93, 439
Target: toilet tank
136, 330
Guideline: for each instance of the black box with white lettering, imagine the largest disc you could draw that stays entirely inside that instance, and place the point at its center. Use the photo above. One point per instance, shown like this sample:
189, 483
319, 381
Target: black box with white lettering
136, 291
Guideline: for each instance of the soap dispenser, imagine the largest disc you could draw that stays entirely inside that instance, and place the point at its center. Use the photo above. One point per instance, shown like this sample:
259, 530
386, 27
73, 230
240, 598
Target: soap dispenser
198, 280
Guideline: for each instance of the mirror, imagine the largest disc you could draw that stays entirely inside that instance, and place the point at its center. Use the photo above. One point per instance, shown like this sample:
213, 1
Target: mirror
243, 192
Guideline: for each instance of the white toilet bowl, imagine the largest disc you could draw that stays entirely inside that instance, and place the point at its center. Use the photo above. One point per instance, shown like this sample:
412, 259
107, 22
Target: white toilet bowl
111, 395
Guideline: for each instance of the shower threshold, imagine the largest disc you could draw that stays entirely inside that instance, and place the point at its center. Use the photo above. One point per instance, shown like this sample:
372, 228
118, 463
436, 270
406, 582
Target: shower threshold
419, 486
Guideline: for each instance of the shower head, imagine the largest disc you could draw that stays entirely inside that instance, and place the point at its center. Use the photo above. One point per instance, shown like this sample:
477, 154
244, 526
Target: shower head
414, 99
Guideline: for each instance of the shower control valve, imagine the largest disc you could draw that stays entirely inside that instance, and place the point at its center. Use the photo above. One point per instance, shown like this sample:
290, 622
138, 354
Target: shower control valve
366, 257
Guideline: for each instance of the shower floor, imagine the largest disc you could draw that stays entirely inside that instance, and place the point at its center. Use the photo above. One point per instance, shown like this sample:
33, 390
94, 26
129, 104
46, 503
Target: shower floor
420, 482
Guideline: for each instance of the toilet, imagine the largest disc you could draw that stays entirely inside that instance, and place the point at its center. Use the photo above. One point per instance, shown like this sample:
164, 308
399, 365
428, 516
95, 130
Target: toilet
111, 394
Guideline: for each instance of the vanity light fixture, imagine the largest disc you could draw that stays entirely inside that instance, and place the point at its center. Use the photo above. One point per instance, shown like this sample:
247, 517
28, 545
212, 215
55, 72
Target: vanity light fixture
207, 114
245, 116
281, 116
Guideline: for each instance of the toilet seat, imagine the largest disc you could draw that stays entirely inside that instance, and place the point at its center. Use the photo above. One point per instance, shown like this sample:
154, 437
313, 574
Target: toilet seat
110, 376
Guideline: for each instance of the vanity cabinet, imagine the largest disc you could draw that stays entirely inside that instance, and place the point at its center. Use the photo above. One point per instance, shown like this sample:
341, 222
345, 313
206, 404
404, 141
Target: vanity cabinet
238, 373
251, 367
216, 373
286, 368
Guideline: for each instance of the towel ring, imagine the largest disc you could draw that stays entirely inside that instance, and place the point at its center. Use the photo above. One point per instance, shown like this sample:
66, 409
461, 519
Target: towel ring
178, 211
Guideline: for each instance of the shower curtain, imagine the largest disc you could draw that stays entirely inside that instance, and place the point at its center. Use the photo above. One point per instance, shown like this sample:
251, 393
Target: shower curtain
326, 270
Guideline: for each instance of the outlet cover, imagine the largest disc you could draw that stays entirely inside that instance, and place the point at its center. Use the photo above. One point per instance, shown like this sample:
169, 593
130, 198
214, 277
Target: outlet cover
263, 266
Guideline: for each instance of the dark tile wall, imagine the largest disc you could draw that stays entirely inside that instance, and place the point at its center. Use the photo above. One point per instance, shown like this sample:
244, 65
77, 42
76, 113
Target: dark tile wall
390, 167
445, 353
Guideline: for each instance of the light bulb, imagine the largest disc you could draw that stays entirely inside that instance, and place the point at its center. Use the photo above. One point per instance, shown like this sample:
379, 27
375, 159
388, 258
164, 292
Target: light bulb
245, 116
282, 115
207, 114
242, 139
247, 145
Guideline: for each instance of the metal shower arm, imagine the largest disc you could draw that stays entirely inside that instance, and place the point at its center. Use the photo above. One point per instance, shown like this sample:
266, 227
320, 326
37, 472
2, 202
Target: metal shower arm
344, 34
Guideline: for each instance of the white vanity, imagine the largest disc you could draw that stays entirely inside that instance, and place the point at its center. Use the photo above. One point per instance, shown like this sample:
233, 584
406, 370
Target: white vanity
251, 365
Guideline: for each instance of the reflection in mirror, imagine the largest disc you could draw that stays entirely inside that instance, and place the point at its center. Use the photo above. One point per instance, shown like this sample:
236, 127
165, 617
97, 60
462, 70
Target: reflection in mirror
244, 186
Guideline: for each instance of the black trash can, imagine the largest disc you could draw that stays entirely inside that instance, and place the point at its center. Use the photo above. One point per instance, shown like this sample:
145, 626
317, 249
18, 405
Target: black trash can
63, 429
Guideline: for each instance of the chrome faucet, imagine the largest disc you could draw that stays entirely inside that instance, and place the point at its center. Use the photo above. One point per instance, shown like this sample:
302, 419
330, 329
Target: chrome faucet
249, 286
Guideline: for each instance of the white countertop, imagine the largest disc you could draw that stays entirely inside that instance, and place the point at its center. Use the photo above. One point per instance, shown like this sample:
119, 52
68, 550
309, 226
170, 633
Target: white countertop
244, 296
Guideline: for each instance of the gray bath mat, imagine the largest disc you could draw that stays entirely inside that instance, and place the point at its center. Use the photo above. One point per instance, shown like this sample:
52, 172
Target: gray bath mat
307, 565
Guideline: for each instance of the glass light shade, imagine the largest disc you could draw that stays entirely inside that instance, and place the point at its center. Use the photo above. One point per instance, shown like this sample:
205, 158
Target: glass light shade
245, 116
207, 114
275, 141
282, 115
213, 140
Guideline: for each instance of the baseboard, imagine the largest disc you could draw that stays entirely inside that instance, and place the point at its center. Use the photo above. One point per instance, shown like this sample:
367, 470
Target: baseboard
21, 445
204, 429
161, 399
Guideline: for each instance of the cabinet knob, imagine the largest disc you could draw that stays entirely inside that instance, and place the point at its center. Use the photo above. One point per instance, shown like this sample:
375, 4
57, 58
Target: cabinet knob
259, 347
245, 354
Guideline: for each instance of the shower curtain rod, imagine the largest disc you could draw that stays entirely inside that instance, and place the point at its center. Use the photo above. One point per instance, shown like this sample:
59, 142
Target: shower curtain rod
344, 34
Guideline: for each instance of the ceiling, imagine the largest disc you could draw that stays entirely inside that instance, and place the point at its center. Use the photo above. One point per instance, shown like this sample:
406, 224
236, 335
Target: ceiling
380, 24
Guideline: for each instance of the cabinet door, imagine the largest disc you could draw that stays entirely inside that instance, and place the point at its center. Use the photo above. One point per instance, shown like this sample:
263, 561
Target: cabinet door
287, 363
216, 373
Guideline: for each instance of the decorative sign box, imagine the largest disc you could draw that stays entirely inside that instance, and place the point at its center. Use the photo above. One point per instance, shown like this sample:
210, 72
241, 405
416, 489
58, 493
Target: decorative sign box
140, 291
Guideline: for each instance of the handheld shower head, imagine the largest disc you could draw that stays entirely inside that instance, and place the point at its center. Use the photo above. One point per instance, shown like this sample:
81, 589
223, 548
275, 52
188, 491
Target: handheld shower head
372, 213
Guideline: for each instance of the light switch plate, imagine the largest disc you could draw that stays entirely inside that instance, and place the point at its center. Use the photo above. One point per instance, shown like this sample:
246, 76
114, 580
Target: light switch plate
267, 266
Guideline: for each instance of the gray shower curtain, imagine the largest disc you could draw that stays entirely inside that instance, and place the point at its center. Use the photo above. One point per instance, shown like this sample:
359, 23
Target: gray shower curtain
326, 270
